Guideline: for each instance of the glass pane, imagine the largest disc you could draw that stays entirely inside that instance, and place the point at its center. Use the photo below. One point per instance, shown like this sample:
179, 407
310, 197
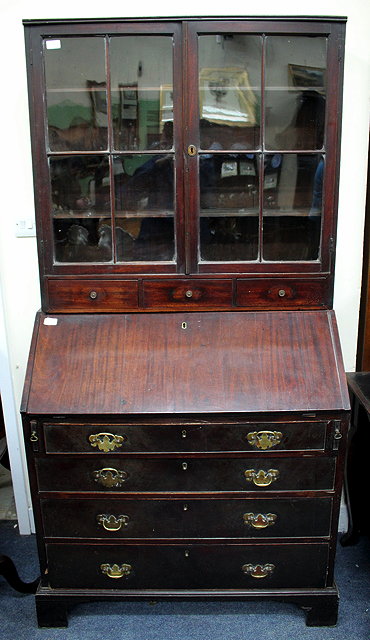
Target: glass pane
76, 94
229, 185
144, 207
293, 189
80, 206
229, 91
142, 91
295, 92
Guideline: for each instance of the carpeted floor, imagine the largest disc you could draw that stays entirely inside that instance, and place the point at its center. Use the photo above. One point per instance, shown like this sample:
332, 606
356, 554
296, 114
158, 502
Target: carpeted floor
185, 620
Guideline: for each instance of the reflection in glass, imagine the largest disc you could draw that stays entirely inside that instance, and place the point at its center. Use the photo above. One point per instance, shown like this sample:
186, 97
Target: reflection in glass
76, 94
229, 185
295, 92
142, 91
80, 206
144, 206
229, 91
293, 207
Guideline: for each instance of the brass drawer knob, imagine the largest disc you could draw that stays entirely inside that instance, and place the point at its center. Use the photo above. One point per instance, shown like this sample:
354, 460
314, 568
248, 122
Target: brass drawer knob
106, 441
281, 293
264, 439
258, 570
261, 478
259, 520
111, 522
116, 571
189, 293
110, 478
93, 295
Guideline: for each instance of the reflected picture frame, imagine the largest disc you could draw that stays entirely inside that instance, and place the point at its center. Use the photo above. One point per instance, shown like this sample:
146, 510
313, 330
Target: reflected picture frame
99, 104
226, 97
305, 78
165, 104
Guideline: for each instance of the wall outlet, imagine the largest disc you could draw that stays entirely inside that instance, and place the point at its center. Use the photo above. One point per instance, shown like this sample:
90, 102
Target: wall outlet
25, 228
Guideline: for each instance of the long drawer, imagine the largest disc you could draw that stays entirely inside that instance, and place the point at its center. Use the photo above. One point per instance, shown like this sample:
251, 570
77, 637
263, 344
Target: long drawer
202, 518
184, 474
197, 566
121, 438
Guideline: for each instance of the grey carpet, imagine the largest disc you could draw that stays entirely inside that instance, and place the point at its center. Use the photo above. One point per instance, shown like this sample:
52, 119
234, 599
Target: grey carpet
185, 620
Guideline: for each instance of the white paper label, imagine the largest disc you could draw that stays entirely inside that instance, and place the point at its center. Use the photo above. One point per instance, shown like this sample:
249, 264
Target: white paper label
53, 44
51, 321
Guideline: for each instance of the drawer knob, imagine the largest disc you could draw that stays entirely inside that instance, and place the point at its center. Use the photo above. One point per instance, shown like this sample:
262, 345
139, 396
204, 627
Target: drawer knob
110, 477
258, 570
264, 439
93, 295
261, 478
106, 441
189, 293
259, 520
116, 571
281, 293
111, 522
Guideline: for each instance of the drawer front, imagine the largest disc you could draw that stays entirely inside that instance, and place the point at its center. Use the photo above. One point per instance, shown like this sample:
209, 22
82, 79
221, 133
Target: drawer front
187, 567
284, 293
202, 518
184, 474
91, 295
119, 438
188, 294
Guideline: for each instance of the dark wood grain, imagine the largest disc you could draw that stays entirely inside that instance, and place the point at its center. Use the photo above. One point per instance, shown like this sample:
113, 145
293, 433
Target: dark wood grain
213, 566
229, 362
174, 437
183, 518
284, 293
91, 296
188, 294
200, 475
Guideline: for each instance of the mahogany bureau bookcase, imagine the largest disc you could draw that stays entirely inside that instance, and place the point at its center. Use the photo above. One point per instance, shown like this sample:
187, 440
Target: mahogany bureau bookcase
185, 407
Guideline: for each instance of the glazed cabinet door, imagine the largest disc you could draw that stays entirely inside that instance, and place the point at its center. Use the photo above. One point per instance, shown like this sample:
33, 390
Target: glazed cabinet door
178, 162
112, 163
260, 151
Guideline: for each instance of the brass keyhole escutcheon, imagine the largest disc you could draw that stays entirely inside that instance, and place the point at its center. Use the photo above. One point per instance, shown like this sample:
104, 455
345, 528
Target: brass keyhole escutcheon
192, 150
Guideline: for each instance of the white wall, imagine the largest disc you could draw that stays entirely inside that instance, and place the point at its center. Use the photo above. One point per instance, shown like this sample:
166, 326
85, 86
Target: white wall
18, 260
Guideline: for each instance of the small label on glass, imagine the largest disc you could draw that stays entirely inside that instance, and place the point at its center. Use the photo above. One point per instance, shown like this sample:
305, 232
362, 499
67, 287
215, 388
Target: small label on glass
53, 44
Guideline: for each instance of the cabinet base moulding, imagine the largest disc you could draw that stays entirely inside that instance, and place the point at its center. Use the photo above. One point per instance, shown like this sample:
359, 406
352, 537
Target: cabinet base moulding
320, 606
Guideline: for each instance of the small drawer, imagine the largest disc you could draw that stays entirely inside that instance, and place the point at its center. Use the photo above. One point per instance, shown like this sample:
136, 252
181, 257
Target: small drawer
121, 438
202, 518
91, 295
184, 474
188, 294
284, 293
147, 566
